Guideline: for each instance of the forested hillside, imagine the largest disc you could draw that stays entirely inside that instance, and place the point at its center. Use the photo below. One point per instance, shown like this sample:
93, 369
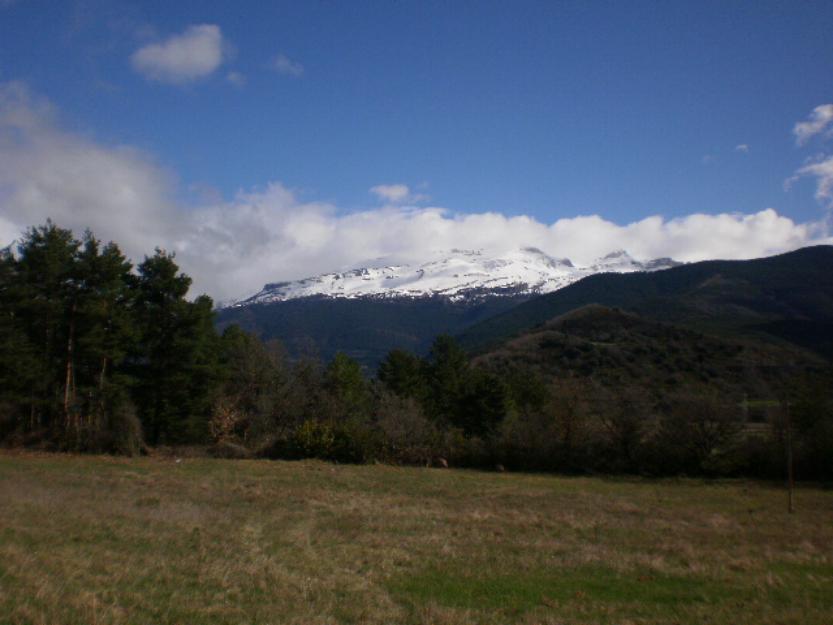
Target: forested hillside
100, 356
620, 349
365, 329
786, 298
660, 397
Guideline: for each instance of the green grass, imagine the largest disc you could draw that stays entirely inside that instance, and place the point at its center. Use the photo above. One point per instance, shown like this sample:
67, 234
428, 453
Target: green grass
644, 591
113, 540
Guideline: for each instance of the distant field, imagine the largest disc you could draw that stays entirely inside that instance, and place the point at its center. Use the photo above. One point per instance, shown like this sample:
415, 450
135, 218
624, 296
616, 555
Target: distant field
150, 541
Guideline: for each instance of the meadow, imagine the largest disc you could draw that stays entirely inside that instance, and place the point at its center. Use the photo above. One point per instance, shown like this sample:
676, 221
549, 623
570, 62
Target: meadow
99, 539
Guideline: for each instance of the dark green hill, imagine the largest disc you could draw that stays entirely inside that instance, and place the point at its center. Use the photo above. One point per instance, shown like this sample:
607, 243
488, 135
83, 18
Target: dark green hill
785, 299
364, 328
621, 350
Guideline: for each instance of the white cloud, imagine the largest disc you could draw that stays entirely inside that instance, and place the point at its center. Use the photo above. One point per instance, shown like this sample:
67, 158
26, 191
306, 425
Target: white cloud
8, 232
397, 194
742, 147
284, 65
183, 58
820, 119
46, 172
232, 247
820, 168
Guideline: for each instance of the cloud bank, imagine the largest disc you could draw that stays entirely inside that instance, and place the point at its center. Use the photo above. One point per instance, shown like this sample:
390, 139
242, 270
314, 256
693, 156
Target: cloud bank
182, 58
231, 247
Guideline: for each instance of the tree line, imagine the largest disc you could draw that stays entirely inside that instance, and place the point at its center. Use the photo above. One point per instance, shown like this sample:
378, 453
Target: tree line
101, 356
95, 353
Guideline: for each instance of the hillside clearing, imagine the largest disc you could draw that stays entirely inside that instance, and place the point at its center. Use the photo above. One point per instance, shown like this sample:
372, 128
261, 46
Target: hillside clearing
114, 540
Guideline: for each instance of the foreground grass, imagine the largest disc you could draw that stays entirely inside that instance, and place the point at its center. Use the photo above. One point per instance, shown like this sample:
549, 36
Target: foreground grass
106, 540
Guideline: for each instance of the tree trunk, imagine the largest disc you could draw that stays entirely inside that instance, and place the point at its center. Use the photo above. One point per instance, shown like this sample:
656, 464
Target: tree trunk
69, 384
101, 377
99, 404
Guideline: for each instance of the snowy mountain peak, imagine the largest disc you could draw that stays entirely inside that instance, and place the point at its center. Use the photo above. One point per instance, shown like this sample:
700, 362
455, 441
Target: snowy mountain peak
457, 274
555, 262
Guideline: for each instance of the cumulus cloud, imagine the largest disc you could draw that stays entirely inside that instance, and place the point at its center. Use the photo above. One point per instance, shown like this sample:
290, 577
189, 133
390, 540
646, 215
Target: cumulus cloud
742, 147
397, 194
182, 58
820, 118
46, 172
284, 65
231, 247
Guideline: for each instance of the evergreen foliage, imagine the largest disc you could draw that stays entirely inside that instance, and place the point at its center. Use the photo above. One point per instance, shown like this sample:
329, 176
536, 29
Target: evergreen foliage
98, 356
784, 298
85, 340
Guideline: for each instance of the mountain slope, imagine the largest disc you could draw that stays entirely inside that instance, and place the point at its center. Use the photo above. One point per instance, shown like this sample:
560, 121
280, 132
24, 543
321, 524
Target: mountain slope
364, 328
787, 298
457, 275
623, 351
369, 311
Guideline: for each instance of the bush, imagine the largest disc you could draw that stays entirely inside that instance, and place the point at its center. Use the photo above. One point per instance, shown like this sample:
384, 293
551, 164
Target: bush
226, 421
125, 430
528, 441
9, 423
409, 437
313, 439
231, 451
352, 441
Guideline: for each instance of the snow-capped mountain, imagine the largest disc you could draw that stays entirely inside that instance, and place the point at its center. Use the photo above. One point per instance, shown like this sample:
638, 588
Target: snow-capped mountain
458, 274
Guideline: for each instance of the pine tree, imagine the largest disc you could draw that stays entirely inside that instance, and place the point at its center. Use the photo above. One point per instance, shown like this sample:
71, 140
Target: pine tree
253, 372
483, 403
347, 386
47, 271
447, 372
177, 363
403, 373
105, 328
18, 363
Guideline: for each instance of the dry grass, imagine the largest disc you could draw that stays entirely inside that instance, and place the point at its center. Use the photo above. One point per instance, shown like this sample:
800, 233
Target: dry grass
108, 540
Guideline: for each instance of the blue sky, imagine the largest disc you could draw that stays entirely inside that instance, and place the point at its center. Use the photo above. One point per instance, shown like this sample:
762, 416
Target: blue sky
544, 109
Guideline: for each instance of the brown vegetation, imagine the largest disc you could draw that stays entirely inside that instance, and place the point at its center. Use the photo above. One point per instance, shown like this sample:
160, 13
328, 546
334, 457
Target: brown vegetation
107, 540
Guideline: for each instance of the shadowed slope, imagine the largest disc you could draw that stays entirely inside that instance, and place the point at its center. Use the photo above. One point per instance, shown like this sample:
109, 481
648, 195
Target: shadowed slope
786, 298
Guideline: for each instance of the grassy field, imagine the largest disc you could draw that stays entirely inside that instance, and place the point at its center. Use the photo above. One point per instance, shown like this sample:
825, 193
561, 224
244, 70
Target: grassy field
98, 540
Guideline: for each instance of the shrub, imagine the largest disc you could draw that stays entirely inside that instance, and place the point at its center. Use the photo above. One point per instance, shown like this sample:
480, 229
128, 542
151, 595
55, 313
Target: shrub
229, 450
409, 437
125, 430
313, 439
351, 441
226, 421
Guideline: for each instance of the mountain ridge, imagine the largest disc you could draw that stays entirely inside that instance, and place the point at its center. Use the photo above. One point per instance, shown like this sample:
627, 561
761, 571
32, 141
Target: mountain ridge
456, 274
786, 297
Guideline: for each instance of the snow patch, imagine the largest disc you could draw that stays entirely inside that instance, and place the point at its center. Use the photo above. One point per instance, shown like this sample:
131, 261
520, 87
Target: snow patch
456, 274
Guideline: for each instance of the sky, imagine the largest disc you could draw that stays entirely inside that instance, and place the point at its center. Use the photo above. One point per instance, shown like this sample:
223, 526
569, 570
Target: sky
271, 141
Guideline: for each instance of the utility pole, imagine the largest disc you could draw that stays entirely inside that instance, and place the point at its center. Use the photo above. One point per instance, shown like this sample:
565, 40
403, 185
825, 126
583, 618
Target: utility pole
788, 439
